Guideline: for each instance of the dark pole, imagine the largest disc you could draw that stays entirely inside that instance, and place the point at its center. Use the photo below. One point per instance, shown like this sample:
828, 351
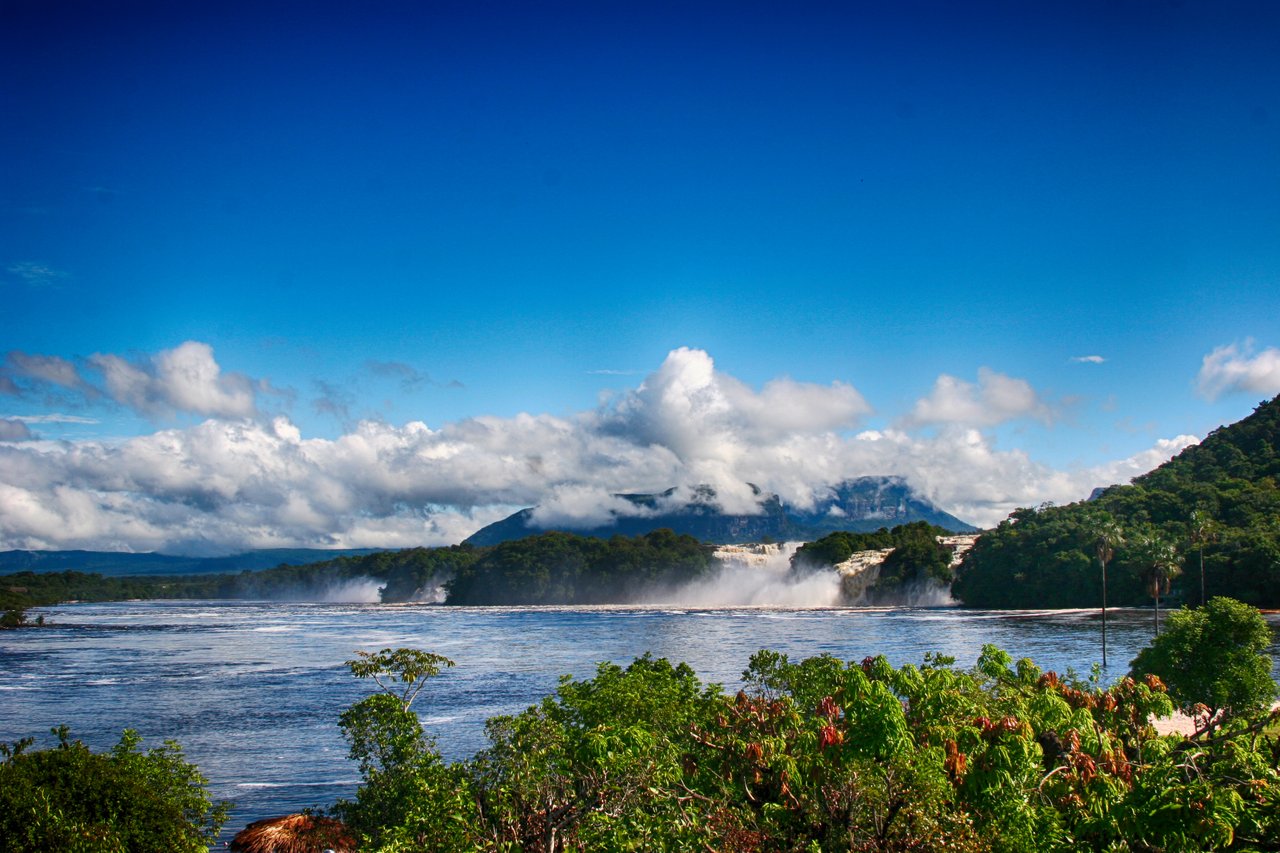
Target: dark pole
1157, 607
1104, 614
1202, 576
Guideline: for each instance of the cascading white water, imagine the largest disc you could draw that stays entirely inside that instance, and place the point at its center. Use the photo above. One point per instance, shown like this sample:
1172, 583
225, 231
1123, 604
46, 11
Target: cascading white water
362, 590
757, 575
431, 592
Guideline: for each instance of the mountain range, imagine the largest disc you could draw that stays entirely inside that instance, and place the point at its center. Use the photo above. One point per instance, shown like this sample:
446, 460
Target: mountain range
860, 505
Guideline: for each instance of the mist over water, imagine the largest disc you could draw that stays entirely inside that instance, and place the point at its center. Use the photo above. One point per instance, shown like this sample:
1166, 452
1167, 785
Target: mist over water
364, 590
761, 575
431, 592
925, 593
755, 576
744, 586
361, 590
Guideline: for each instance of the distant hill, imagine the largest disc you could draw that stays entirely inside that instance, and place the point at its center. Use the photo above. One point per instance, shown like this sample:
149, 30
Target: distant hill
116, 564
866, 504
1045, 557
861, 505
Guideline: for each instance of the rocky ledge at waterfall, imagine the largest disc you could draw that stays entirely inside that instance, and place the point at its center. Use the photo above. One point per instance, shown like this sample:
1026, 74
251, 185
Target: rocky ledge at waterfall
859, 573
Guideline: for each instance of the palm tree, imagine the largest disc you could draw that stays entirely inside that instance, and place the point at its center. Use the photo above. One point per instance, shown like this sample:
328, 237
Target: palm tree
1159, 564
1203, 529
1106, 534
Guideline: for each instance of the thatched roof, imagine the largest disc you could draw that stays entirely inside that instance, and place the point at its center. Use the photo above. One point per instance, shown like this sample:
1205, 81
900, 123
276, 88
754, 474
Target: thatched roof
295, 833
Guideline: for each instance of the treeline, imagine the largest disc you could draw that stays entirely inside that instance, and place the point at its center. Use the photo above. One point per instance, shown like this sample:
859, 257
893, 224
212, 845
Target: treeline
1216, 504
548, 568
21, 591
561, 568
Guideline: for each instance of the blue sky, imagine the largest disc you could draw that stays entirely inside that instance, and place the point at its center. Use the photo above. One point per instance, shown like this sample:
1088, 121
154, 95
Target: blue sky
907, 225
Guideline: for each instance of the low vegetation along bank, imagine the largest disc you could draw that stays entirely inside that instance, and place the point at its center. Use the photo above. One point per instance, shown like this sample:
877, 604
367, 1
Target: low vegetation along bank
549, 568
820, 754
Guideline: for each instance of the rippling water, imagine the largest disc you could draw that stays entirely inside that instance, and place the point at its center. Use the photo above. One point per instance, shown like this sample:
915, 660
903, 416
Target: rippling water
253, 690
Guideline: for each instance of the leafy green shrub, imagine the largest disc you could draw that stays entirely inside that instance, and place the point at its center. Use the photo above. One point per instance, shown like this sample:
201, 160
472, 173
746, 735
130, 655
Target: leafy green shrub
1213, 656
71, 799
843, 756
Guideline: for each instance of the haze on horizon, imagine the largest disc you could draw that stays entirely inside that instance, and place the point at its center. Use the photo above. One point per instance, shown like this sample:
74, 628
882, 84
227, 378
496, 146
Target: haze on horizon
378, 277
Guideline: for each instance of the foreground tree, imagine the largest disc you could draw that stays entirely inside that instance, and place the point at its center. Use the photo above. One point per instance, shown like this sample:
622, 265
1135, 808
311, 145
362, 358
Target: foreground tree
400, 673
71, 799
1213, 656
601, 765
411, 799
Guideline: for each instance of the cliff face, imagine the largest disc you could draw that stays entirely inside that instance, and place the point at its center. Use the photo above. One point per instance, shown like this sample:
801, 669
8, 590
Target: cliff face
758, 555
859, 573
865, 504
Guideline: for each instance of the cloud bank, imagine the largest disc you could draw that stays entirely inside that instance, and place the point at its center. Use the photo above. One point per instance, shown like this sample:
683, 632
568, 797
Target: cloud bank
1234, 368
244, 479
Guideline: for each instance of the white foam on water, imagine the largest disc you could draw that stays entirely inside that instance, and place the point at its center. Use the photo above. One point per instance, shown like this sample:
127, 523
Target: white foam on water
330, 784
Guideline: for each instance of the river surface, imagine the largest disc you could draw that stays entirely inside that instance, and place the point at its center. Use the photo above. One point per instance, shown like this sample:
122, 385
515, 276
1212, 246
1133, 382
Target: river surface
252, 690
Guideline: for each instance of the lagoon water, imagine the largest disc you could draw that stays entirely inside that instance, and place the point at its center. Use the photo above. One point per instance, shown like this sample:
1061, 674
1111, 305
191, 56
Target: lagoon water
252, 690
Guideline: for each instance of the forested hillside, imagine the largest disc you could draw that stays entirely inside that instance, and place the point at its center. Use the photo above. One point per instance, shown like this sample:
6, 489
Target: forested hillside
1217, 500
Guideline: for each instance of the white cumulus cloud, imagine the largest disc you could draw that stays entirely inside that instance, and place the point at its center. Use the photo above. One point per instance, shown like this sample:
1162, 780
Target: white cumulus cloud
996, 398
183, 379
1236, 368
